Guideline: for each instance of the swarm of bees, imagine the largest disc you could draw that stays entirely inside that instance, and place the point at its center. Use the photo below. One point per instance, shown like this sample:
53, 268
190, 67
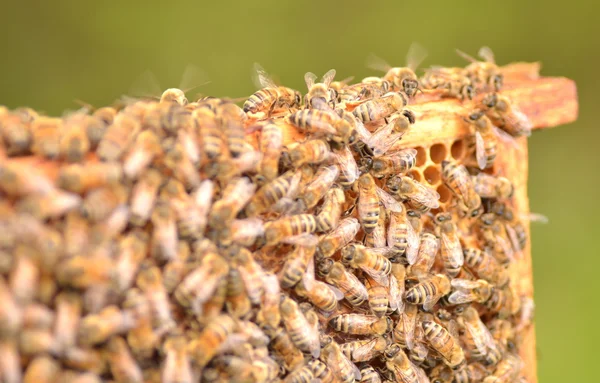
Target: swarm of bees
193, 241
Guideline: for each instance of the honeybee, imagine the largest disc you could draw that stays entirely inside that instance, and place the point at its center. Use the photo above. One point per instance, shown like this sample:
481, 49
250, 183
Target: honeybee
453, 82
122, 364
335, 273
506, 115
38, 316
428, 249
74, 142
360, 324
164, 234
271, 97
320, 294
204, 347
46, 133
368, 260
144, 150
402, 237
369, 375
394, 163
270, 193
340, 365
466, 291
339, 85
503, 333
15, 132
232, 118
325, 123
301, 374
235, 196
369, 88
54, 204
368, 202
428, 291
99, 203
9, 361
404, 78
295, 265
342, 235
42, 369
485, 266
503, 302
82, 178
317, 188
507, 370
380, 108
304, 334
143, 197
213, 141
365, 349
11, 317
478, 338
485, 139
149, 280
97, 328
68, 314
400, 366
21, 180
451, 249
199, 285
237, 302
377, 238
290, 226
457, 179
320, 95
251, 272
495, 236
483, 73
284, 349
118, 136
406, 188
309, 152
488, 186
331, 209
443, 342
348, 168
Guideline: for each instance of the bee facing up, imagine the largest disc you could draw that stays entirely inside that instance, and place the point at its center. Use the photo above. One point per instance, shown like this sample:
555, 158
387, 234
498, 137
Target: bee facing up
506, 115
320, 95
271, 97
485, 139
484, 74
453, 82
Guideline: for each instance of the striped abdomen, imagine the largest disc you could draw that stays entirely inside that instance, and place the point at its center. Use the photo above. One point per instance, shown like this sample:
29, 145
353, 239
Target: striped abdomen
261, 100
440, 339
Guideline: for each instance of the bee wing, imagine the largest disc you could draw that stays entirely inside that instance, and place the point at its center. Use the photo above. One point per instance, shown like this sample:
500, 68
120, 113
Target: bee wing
192, 78
310, 79
248, 161
347, 80
478, 335
536, 217
506, 247
480, 151
146, 85
412, 249
430, 302
421, 375
461, 296
380, 279
381, 141
363, 134
519, 121
388, 201
362, 352
261, 79
425, 196
464, 284
243, 190
466, 56
396, 289
354, 282
347, 164
339, 295
512, 237
377, 63
304, 240
309, 276
248, 227
415, 55
328, 77
487, 54
453, 249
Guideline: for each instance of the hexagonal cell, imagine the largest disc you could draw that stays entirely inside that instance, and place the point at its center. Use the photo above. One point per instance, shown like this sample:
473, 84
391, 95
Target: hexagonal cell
421, 155
438, 153
415, 174
458, 149
444, 192
432, 174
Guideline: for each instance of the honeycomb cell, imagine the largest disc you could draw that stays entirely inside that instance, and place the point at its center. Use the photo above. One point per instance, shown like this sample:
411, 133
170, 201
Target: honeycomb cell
421, 156
432, 174
438, 152
444, 193
415, 174
457, 150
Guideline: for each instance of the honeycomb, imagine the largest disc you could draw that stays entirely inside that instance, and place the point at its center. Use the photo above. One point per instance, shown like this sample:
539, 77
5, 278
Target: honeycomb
101, 282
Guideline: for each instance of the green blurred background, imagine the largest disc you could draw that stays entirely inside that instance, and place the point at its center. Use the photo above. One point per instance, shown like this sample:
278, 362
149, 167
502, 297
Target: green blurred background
58, 51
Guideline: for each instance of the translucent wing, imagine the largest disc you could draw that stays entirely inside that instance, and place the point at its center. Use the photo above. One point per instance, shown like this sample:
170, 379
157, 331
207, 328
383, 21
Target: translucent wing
381, 279
421, 375
377, 63
506, 247
261, 78
347, 164
409, 320
363, 134
487, 54
519, 121
309, 79
478, 334
415, 55
364, 351
247, 228
464, 284
537, 217
412, 249
347, 80
328, 77
309, 276
388, 201
454, 252
339, 295
146, 86
513, 237
382, 140
242, 191
396, 289
466, 56
425, 196
480, 151
193, 77
461, 296
303, 240
352, 283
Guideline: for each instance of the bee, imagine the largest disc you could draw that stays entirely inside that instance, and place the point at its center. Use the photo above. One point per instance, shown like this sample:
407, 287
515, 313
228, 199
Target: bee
270, 144
213, 141
303, 333
318, 187
394, 163
204, 347
377, 238
368, 260
339, 85
526, 314
38, 316
143, 197
335, 273
132, 250
515, 229
451, 250
15, 132
175, 96
83, 178
199, 285
341, 235
495, 236
309, 152
503, 302
478, 338
418, 194
402, 237
97, 328
320, 294
320, 95
177, 365
10, 363
271, 97
503, 333
485, 74
360, 324
118, 137
506, 115
369, 375
68, 314
428, 249
232, 118
25, 276
466, 291
507, 370
149, 280
443, 342
331, 209
122, 364
400, 366
143, 151
237, 302
74, 143
466, 373
485, 139
251, 272
42, 369
285, 350
235, 196
295, 265
396, 288
10, 314
365, 349
100, 203
85, 270
457, 179
485, 266
324, 123
290, 226
404, 78
428, 291
380, 108
20, 180
338, 362
368, 203
102, 118
164, 234
453, 82
488, 186
180, 164
369, 88
46, 133
348, 167
301, 374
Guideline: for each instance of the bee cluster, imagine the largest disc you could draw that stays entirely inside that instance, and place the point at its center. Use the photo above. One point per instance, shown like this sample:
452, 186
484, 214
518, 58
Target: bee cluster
289, 240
